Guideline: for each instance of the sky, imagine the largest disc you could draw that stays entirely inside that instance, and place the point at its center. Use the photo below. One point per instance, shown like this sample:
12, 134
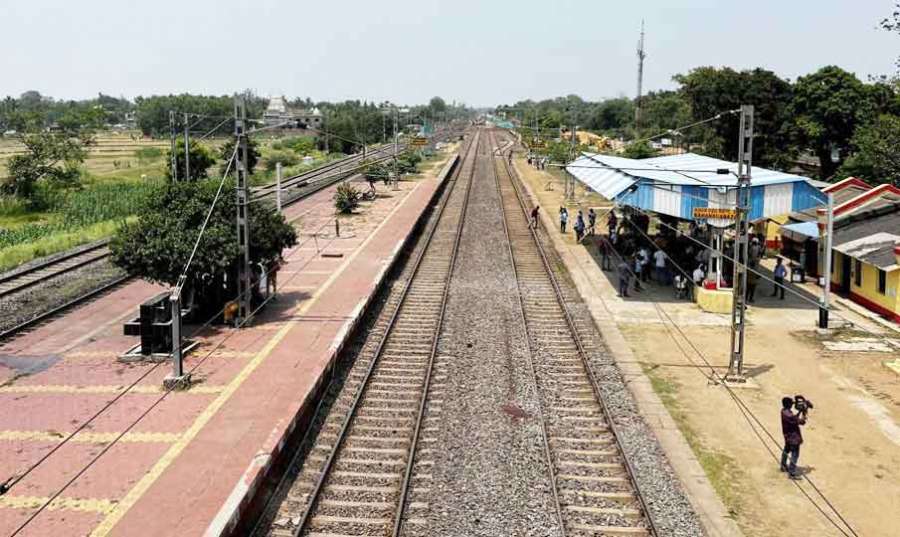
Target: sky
479, 52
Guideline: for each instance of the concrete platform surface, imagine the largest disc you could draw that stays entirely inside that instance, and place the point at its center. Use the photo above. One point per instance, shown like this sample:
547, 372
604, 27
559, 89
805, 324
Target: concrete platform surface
185, 463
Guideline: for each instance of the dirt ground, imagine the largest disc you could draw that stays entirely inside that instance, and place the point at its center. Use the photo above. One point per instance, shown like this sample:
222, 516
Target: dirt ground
852, 441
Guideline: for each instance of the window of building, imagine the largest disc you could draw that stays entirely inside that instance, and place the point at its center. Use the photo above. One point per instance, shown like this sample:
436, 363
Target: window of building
857, 272
882, 281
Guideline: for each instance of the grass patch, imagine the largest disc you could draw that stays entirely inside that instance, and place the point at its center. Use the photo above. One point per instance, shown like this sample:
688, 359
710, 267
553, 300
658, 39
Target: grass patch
14, 256
721, 470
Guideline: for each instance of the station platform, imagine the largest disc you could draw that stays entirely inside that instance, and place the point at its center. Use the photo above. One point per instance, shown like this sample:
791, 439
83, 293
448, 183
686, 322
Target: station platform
187, 462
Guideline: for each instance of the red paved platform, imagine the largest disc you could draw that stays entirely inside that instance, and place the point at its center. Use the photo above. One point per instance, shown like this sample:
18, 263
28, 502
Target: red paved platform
188, 462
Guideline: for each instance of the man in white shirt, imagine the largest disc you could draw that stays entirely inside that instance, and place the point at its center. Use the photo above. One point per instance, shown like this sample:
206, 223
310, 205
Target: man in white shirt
660, 258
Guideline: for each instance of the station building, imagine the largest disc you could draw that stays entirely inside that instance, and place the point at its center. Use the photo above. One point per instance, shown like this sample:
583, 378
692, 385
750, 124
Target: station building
686, 186
865, 248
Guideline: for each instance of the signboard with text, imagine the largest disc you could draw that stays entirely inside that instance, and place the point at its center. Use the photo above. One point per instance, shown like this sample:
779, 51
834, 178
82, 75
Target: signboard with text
419, 141
711, 213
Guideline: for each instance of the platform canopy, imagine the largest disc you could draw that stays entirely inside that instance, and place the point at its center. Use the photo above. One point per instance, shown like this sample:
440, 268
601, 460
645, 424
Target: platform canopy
676, 185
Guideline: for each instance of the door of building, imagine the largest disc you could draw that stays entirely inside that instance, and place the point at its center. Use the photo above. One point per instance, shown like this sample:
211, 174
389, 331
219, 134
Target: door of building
846, 264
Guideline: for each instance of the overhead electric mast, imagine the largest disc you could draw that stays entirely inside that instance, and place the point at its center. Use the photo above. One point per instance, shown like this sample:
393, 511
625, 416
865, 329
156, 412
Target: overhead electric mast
641, 54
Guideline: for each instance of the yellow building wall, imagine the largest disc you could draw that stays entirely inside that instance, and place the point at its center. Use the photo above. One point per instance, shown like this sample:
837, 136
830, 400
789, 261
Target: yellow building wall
868, 290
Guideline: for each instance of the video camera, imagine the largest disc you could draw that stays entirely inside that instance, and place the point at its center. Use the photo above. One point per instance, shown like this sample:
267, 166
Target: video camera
802, 404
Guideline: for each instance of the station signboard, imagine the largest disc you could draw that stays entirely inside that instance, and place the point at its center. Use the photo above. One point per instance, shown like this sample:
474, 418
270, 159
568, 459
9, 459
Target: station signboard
711, 213
419, 141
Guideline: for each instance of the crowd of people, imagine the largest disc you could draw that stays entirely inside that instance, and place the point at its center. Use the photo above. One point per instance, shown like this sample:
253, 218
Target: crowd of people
677, 259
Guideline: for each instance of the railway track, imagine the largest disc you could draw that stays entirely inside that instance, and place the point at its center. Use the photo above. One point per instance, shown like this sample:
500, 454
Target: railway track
593, 481
312, 181
355, 477
20, 280
303, 186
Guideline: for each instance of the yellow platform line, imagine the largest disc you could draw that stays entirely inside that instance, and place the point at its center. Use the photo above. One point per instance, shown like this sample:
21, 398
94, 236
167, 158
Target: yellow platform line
88, 505
101, 389
87, 437
142, 486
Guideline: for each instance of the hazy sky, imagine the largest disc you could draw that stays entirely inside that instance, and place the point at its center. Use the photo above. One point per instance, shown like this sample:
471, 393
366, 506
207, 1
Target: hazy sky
480, 52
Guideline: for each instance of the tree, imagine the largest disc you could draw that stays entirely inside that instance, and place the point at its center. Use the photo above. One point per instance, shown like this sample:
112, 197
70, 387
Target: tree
54, 157
201, 160
876, 152
158, 244
828, 106
227, 150
612, 116
892, 24
437, 105
639, 150
711, 91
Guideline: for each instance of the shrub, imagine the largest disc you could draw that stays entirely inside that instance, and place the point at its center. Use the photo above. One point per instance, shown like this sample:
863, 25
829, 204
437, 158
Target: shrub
286, 158
346, 198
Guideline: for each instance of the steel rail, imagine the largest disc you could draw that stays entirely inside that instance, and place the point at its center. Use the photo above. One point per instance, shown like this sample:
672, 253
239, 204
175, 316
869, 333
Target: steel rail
407, 477
48, 265
357, 399
576, 337
530, 355
59, 309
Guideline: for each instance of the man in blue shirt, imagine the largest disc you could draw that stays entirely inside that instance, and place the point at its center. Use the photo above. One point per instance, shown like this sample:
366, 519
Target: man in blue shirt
780, 273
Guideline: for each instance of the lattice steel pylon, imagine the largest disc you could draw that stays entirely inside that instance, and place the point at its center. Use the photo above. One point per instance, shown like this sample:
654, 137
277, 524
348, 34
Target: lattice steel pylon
243, 227
741, 236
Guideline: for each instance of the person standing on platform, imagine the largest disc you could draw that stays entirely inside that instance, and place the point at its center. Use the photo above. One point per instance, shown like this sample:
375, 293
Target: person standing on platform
579, 227
660, 263
563, 219
592, 220
638, 269
605, 251
644, 256
612, 222
624, 277
779, 273
793, 438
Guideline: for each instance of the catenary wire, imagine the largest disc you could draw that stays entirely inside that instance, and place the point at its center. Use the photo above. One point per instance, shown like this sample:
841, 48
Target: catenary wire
741, 404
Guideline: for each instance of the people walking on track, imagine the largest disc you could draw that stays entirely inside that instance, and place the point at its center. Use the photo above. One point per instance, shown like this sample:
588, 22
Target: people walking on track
534, 216
790, 427
592, 220
779, 273
563, 219
624, 277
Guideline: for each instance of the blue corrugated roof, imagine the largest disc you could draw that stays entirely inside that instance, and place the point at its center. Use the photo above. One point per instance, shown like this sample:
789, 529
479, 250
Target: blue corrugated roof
612, 175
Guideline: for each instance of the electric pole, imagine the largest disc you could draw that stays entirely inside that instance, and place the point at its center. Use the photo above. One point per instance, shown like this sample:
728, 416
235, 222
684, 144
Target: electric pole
187, 148
741, 258
174, 160
640, 79
243, 228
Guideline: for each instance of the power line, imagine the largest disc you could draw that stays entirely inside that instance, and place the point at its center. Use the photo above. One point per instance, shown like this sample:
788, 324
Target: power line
736, 398
143, 414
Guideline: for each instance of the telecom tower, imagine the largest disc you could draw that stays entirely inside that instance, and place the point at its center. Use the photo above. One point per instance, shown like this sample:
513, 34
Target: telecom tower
640, 78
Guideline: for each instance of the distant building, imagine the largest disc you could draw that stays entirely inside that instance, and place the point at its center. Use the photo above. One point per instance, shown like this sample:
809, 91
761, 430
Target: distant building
278, 112
311, 118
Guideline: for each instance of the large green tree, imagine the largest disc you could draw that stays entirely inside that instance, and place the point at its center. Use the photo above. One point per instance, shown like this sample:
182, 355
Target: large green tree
875, 153
52, 157
828, 107
158, 244
253, 154
201, 159
712, 91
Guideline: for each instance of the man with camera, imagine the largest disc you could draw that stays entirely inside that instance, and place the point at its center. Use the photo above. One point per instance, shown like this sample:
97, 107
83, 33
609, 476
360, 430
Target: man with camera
790, 426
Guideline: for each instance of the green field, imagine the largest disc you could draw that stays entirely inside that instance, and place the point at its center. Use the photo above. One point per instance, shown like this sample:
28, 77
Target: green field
120, 171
